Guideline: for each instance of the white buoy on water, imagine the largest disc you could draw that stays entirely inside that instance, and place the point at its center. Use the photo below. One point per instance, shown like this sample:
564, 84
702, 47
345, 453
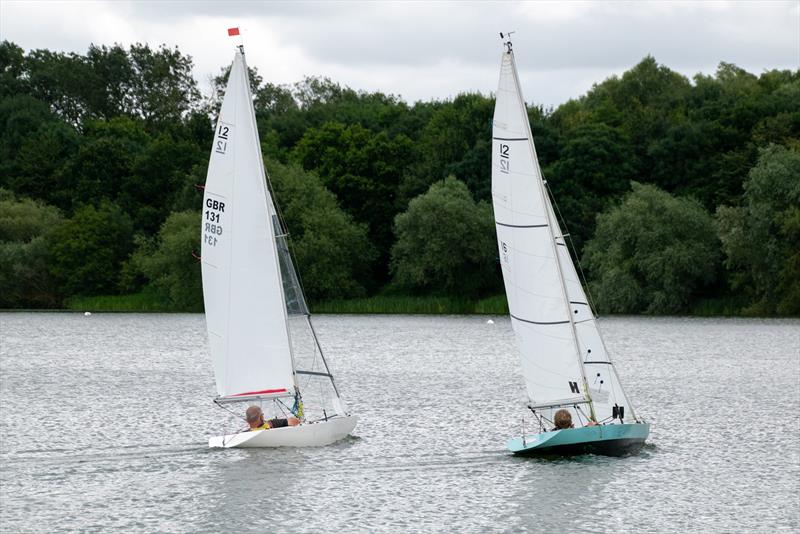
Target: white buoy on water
489, 322
87, 314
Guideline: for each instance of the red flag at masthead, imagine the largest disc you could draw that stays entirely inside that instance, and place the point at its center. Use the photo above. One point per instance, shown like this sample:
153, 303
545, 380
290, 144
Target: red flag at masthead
233, 31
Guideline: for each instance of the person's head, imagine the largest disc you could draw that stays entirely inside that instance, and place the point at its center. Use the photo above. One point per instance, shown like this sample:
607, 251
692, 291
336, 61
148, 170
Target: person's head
254, 416
563, 419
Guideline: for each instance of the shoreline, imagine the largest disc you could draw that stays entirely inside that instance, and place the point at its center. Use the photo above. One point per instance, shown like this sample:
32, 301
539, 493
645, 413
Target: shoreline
375, 305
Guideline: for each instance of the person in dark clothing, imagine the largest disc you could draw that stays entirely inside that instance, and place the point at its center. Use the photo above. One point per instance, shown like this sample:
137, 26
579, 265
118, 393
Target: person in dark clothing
255, 418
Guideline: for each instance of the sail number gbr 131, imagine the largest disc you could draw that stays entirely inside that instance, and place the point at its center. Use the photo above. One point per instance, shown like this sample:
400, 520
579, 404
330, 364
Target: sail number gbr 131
212, 217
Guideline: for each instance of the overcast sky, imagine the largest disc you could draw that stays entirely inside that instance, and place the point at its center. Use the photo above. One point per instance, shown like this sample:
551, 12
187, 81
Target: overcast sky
427, 50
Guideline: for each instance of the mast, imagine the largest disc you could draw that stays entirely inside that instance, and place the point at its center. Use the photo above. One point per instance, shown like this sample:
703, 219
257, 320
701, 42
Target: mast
269, 204
294, 278
541, 277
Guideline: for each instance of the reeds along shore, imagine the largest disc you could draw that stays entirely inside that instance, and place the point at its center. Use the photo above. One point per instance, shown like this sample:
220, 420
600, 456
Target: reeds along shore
381, 304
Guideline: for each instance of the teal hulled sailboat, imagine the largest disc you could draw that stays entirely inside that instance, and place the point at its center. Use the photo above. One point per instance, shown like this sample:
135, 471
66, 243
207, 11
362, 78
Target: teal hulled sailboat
564, 360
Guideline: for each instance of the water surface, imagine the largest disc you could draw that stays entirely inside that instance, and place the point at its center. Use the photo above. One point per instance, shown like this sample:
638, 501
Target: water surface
104, 424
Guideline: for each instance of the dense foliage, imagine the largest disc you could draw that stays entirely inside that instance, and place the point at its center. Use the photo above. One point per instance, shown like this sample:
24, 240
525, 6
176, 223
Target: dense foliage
165, 262
100, 154
445, 243
651, 252
87, 250
761, 238
333, 252
24, 256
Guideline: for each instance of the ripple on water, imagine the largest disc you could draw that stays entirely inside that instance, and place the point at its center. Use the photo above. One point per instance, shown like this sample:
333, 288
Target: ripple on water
104, 424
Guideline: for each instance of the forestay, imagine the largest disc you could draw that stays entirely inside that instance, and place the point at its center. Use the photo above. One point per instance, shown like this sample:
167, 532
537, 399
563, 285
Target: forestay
242, 288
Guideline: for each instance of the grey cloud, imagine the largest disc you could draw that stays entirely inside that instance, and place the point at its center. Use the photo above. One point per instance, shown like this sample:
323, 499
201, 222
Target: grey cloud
611, 34
424, 50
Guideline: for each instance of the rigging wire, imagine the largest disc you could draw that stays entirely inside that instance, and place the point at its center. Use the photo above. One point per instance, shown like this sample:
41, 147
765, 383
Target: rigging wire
566, 234
290, 250
285, 231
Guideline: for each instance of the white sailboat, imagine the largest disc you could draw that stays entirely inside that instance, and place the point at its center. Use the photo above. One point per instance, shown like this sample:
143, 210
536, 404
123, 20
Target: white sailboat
262, 342
565, 363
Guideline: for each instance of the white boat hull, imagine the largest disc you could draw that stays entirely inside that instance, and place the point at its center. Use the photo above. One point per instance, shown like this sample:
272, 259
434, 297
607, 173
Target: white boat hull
306, 435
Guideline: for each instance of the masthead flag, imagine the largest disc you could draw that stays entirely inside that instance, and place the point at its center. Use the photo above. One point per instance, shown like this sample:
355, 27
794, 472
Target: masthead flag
233, 31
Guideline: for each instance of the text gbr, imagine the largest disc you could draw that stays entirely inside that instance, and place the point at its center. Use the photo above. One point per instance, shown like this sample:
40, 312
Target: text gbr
212, 227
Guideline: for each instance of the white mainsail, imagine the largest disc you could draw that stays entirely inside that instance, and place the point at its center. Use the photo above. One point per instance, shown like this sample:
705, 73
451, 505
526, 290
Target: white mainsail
564, 361
242, 288
528, 256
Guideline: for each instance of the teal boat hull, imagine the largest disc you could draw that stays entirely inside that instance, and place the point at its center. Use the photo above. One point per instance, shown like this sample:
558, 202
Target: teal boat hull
608, 440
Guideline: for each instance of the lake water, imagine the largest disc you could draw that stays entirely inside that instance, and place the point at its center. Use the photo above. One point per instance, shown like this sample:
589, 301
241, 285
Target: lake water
105, 421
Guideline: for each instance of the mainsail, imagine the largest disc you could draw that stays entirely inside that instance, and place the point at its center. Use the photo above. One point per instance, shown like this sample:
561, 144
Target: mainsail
242, 283
564, 360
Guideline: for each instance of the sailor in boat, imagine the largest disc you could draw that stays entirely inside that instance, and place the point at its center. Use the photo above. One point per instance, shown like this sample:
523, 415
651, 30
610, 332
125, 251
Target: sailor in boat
563, 420
255, 418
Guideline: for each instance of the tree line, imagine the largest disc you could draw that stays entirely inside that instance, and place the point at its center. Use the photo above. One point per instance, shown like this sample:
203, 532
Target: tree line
677, 193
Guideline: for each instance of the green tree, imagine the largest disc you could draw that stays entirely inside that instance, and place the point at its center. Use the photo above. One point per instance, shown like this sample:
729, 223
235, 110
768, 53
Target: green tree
157, 175
107, 92
454, 141
652, 253
445, 243
40, 158
761, 239
596, 165
334, 256
19, 117
60, 80
323, 100
363, 170
88, 250
102, 164
155, 85
24, 255
12, 70
167, 262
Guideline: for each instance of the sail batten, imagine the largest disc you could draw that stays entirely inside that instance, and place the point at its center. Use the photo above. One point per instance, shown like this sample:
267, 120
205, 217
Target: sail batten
522, 225
537, 322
